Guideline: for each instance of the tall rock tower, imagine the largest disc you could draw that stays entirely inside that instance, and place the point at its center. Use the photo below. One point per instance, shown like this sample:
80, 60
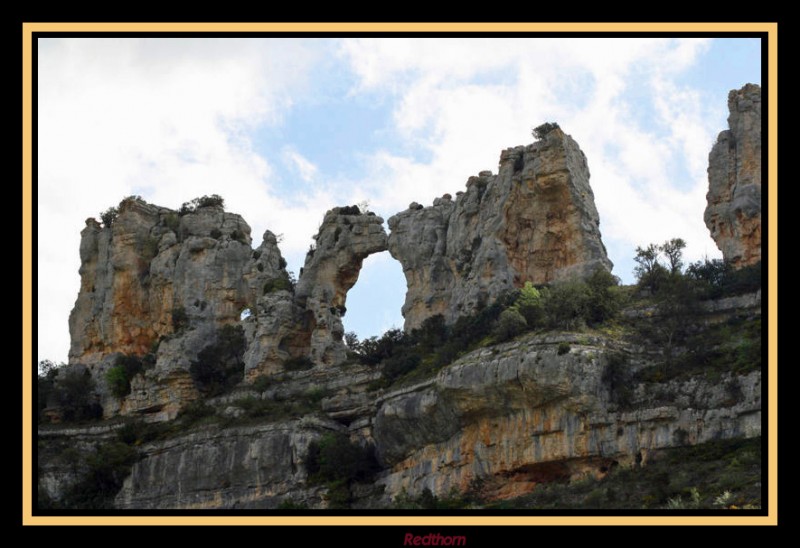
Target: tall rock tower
534, 221
733, 214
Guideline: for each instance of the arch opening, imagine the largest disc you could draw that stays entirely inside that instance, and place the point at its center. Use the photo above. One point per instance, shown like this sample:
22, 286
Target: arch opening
374, 303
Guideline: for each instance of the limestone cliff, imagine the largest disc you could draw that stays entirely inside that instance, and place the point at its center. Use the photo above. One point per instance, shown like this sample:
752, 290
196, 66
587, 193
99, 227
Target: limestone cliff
165, 287
733, 214
521, 414
545, 407
161, 282
153, 268
534, 221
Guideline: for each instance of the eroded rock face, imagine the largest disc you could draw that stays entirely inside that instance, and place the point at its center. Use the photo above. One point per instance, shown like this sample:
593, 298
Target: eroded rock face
344, 240
522, 413
151, 262
533, 221
246, 467
733, 214
159, 282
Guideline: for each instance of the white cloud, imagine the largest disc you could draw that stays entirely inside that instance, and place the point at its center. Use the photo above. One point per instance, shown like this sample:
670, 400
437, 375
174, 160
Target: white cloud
164, 118
300, 164
463, 101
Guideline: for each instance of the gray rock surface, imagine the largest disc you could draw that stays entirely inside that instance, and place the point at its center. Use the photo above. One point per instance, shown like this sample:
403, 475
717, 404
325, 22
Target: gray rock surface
517, 408
243, 467
733, 214
331, 268
149, 264
534, 221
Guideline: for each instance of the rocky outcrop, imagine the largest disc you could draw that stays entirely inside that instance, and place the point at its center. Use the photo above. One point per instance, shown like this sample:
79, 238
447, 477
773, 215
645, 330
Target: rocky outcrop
153, 268
733, 214
524, 413
161, 282
534, 221
345, 238
245, 467
542, 408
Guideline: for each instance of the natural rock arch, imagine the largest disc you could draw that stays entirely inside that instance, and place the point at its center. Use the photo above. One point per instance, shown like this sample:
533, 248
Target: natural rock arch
345, 238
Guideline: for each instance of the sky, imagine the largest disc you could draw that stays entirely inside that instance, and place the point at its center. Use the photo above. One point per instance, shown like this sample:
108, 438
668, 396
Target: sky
285, 129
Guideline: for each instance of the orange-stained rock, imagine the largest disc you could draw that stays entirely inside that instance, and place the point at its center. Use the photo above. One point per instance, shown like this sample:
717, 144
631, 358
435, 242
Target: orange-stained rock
534, 221
733, 214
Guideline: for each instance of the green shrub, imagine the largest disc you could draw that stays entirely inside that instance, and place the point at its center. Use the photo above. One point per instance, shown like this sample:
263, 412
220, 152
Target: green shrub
567, 304
336, 458
45, 385
172, 221
118, 381
262, 383
510, 324
203, 201
220, 365
540, 132
209, 201
649, 272
124, 369
563, 348
716, 278
283, 283
349, 210
290, 504
75, 394
109, 216
605, 297
529, 304
107, 469
428, 501
300, 363
180, 319
399, 364
149, 248
239, 236
194, 412
316, 395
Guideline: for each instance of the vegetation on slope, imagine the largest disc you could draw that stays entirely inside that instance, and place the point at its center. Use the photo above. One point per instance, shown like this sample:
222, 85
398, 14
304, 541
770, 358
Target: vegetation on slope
723, 474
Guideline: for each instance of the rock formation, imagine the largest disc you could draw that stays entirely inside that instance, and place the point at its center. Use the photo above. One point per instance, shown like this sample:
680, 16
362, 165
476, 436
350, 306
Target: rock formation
166, 286
511, 416
157, 281
153, 267
733, 214
345, 238
534, 221
521, 413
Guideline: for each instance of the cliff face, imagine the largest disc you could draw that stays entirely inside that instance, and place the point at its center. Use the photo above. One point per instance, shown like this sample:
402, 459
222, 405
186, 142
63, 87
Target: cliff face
159, 282
545, 407
520, 414
509, 418
733, 214
152, 262
534, 221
